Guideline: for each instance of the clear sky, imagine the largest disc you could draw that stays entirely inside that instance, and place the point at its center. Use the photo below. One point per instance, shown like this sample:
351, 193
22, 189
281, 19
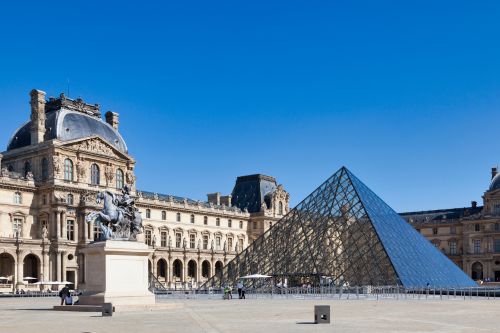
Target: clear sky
407, 96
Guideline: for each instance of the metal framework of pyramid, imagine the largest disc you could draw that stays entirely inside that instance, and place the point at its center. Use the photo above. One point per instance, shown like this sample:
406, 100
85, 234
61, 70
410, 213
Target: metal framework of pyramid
345, 233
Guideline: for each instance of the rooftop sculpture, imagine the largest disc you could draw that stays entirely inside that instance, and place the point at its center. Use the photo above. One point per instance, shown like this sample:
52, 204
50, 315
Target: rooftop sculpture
119, 219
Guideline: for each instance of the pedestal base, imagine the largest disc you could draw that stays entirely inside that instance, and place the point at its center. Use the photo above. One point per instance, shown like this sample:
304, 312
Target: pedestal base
116, 272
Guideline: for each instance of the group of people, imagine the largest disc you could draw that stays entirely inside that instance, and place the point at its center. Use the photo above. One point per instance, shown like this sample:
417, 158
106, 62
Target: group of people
228, 291
65, 295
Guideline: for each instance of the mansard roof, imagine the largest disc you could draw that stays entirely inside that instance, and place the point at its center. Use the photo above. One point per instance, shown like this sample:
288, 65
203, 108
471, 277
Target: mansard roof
68, 120
249, 191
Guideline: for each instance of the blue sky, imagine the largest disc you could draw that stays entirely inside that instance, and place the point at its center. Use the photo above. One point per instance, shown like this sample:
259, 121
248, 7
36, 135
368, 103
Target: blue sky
407, 96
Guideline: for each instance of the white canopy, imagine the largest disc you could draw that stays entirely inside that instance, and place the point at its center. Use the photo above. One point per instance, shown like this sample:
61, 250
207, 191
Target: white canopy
255, 276
29, 278
3, 278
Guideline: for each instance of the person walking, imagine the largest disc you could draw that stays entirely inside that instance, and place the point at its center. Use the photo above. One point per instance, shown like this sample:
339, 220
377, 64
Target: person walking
63, 294
240, 287
243, 289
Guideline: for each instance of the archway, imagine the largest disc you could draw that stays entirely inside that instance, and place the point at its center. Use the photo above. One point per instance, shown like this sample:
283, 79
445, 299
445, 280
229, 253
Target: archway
192, 269
218, 268
177, 270
31, 267
477, 271
7, 267
161, 269
205, 269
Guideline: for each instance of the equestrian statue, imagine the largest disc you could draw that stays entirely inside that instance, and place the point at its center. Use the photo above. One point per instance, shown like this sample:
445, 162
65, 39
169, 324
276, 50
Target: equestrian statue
119, 219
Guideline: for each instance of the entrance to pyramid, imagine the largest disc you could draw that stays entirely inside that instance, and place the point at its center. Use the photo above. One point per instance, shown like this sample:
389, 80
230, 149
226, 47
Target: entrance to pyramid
342, 234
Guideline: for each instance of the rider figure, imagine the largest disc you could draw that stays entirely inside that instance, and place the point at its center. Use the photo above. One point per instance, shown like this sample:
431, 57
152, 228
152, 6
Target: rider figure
126, 203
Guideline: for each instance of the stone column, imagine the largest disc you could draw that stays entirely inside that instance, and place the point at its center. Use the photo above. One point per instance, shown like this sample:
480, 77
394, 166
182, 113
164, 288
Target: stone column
57, 262
63, 265
63, 225
76, 227
58, 224
185, 270
20, 270
170, 272
45, 268
85, 229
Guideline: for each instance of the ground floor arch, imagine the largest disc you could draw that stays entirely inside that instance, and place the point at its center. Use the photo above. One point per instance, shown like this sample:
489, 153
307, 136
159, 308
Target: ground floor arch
7, 266
192, 267
177, 270
31, 267
477, 271
218, 267
161, 269
205, 269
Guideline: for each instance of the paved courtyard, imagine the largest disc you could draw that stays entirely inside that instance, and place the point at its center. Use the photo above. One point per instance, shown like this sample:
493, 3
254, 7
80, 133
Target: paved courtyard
34, 315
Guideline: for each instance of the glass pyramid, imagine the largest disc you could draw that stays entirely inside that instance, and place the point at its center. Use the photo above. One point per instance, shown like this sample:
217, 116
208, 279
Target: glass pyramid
344, 233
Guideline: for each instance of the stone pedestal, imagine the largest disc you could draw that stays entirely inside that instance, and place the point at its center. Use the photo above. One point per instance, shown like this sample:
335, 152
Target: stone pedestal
116, 272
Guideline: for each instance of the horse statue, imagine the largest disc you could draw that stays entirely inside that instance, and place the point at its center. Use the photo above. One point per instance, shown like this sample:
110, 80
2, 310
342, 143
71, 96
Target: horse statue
119, 219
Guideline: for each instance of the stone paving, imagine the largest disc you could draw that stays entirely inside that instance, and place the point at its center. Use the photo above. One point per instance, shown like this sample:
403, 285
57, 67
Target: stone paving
35, 315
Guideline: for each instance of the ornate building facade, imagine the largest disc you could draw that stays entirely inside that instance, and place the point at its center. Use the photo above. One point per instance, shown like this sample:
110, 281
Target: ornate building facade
53, 168
469, 236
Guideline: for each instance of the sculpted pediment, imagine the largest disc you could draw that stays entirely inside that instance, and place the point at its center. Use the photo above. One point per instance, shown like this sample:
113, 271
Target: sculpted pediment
96, 145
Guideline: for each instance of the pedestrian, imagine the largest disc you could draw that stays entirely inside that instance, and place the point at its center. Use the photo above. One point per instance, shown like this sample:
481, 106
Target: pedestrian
240, 287
230, 292
243, 289
64, 294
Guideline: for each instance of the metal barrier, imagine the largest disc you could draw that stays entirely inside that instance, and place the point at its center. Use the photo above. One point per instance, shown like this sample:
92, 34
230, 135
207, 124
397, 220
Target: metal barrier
340, 293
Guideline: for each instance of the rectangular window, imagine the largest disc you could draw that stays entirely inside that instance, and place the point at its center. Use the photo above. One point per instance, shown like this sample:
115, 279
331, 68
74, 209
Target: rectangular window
217, 243
453, 248
496, 246
163, 215
477, 227
205, 242
178, 240
241, 224
192, 241
217, 222
255, 225
205, 220
148, 213
17, 227
163, 239
229, 223
44, 199
240, 247
192, 218
229, 244
434, 231
453, 230
70, 229
178, 217
147, 237
97, 233
477, 246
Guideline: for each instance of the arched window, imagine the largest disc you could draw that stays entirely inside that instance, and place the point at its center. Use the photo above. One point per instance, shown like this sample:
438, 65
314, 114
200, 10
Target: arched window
119, 179
18, 198
45, 169
68, 169
280, 208
192, 218
95, 175
27, 168
70, 200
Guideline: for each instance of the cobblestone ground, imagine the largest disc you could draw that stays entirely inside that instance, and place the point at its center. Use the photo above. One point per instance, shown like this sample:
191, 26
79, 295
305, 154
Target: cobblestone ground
35, 315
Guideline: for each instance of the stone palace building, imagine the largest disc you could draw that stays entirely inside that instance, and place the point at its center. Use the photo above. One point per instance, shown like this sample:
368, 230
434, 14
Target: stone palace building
58, 161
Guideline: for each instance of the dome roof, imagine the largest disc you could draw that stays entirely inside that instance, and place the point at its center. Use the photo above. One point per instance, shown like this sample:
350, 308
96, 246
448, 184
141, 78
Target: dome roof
495, 183
66, 125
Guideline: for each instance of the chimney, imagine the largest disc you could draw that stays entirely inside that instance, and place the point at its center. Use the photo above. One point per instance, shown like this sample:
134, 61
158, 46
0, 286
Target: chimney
226, 200
37, 116
494, 172
473, 204
112, 119
214, 198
